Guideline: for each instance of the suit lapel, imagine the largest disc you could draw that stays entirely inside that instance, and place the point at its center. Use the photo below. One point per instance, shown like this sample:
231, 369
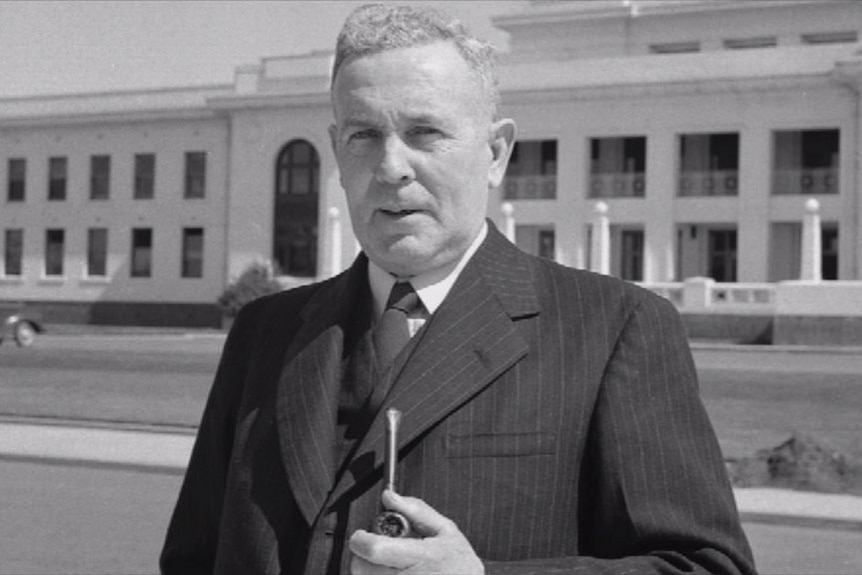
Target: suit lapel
469, 341
307, 393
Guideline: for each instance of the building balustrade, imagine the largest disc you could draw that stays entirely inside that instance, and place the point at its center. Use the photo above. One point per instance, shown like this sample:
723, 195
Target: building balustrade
617, 185
672, 291
531, 187
805, 181
709, 183
732, 294
700, 294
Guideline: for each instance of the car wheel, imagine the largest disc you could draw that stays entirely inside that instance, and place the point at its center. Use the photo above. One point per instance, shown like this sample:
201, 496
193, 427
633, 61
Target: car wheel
25, 334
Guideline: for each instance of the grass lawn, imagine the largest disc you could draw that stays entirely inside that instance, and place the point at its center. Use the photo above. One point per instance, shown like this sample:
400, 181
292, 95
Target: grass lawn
755, 410
141, 386
756, 400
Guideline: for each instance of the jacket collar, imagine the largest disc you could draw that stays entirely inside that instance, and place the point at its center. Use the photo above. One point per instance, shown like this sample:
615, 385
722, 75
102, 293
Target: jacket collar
307, 393
466, 345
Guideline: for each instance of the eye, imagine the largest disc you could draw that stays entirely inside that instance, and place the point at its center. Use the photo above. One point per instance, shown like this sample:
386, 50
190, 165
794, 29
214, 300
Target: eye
362, 135
361, 142
423, 131
424, 134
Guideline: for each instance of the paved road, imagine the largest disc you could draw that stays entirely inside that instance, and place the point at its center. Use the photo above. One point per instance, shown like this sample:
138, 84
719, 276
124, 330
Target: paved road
75, 519
62, 518
786, 359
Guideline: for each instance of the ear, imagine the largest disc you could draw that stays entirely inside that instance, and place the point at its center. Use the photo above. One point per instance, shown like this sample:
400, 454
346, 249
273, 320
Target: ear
501, 141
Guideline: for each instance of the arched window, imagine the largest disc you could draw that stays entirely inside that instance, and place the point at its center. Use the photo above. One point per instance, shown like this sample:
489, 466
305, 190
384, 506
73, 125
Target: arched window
297, 181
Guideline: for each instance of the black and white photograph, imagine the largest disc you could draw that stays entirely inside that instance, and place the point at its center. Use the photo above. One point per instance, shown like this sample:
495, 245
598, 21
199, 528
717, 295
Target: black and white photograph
430, 287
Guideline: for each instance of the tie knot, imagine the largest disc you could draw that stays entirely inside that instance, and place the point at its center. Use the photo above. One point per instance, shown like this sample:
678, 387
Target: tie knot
403, 297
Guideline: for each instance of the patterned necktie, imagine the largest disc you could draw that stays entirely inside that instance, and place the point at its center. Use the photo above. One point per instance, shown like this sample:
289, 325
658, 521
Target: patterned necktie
392, 332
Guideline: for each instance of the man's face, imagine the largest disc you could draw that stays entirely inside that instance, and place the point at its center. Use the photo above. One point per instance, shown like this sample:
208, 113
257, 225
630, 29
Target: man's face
417, 151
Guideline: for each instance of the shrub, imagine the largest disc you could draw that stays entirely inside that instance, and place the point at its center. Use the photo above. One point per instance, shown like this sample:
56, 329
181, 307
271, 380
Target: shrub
255, 281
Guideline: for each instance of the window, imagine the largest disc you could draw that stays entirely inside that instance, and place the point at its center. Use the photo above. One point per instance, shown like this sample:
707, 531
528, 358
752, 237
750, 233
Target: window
193, 253
57, 173
547, 244
632, 255
55, 240
755, 42
97, 252
674, 48
538, 240
17, 184
829, 251
100, 177
848, 37
142, 252
617, 167
722, 255
708, 164
785, 251
196, 174
145, 176
297, 179
298, 169
13, 252
806, 162
532, 171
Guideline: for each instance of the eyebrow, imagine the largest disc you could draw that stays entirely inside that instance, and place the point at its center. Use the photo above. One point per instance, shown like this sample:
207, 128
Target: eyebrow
363, 121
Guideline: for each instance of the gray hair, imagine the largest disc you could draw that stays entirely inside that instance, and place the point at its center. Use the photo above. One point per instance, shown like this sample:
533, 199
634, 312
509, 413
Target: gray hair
375, 28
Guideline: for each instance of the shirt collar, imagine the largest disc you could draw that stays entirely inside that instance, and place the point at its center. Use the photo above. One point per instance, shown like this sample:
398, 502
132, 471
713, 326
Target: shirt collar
432, 287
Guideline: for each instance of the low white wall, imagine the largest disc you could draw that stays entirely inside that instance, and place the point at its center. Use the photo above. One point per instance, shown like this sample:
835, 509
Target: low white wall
825, 298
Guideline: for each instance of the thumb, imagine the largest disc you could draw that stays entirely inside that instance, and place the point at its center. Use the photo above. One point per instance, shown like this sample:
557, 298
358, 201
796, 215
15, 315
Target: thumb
425, 520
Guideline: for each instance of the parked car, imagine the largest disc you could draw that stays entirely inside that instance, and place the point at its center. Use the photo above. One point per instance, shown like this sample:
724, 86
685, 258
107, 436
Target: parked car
20, 322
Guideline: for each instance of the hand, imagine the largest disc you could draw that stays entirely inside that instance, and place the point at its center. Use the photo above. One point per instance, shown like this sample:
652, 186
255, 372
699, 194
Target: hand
441, 549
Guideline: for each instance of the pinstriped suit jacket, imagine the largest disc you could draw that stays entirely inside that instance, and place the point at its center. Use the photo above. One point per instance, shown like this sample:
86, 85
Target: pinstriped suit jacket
553, 414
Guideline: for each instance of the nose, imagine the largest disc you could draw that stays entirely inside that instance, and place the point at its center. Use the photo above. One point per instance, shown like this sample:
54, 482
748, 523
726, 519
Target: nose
394, 166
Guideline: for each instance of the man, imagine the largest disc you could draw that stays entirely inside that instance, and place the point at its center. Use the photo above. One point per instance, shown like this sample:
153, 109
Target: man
551, 422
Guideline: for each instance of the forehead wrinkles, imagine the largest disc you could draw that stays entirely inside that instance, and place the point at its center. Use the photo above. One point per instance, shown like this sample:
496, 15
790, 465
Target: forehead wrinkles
374, 107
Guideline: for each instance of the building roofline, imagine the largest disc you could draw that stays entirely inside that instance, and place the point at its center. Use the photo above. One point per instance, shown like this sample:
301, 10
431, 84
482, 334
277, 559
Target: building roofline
540, 13
119, 92
309, 87
133, 105
106, 118
527, 95
700, 67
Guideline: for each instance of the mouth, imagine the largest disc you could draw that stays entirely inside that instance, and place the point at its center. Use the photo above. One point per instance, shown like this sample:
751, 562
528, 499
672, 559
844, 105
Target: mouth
398, 213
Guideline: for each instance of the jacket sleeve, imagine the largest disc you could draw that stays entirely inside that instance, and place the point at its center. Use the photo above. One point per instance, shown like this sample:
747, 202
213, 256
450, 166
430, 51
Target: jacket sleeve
192, 536
656, 497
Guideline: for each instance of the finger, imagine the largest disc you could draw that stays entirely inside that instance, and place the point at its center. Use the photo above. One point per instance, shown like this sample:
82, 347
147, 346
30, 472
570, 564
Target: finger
359, 566
425, 520
385, 551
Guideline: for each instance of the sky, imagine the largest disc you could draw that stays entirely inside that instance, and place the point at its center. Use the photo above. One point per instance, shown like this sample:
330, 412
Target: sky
74, 46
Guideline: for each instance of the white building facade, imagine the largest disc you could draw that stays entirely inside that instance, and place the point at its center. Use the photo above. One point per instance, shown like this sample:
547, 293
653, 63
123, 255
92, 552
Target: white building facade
703, 129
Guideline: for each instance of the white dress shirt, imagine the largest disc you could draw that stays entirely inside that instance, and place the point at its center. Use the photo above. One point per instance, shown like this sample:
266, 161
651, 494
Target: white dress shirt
432, 287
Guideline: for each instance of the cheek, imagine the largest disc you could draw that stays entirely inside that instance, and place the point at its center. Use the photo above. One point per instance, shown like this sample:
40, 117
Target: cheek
354, 180
468, 184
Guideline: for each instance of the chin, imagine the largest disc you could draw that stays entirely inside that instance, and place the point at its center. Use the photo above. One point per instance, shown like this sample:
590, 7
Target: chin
405, 265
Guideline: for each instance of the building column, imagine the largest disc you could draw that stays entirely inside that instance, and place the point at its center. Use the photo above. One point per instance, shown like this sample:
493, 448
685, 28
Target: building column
849, 72
658, 209
754, 186
810, 269
335, 246
600, 250
508, 211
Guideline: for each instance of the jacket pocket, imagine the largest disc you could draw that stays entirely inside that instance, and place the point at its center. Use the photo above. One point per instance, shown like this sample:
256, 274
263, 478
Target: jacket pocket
500, 444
